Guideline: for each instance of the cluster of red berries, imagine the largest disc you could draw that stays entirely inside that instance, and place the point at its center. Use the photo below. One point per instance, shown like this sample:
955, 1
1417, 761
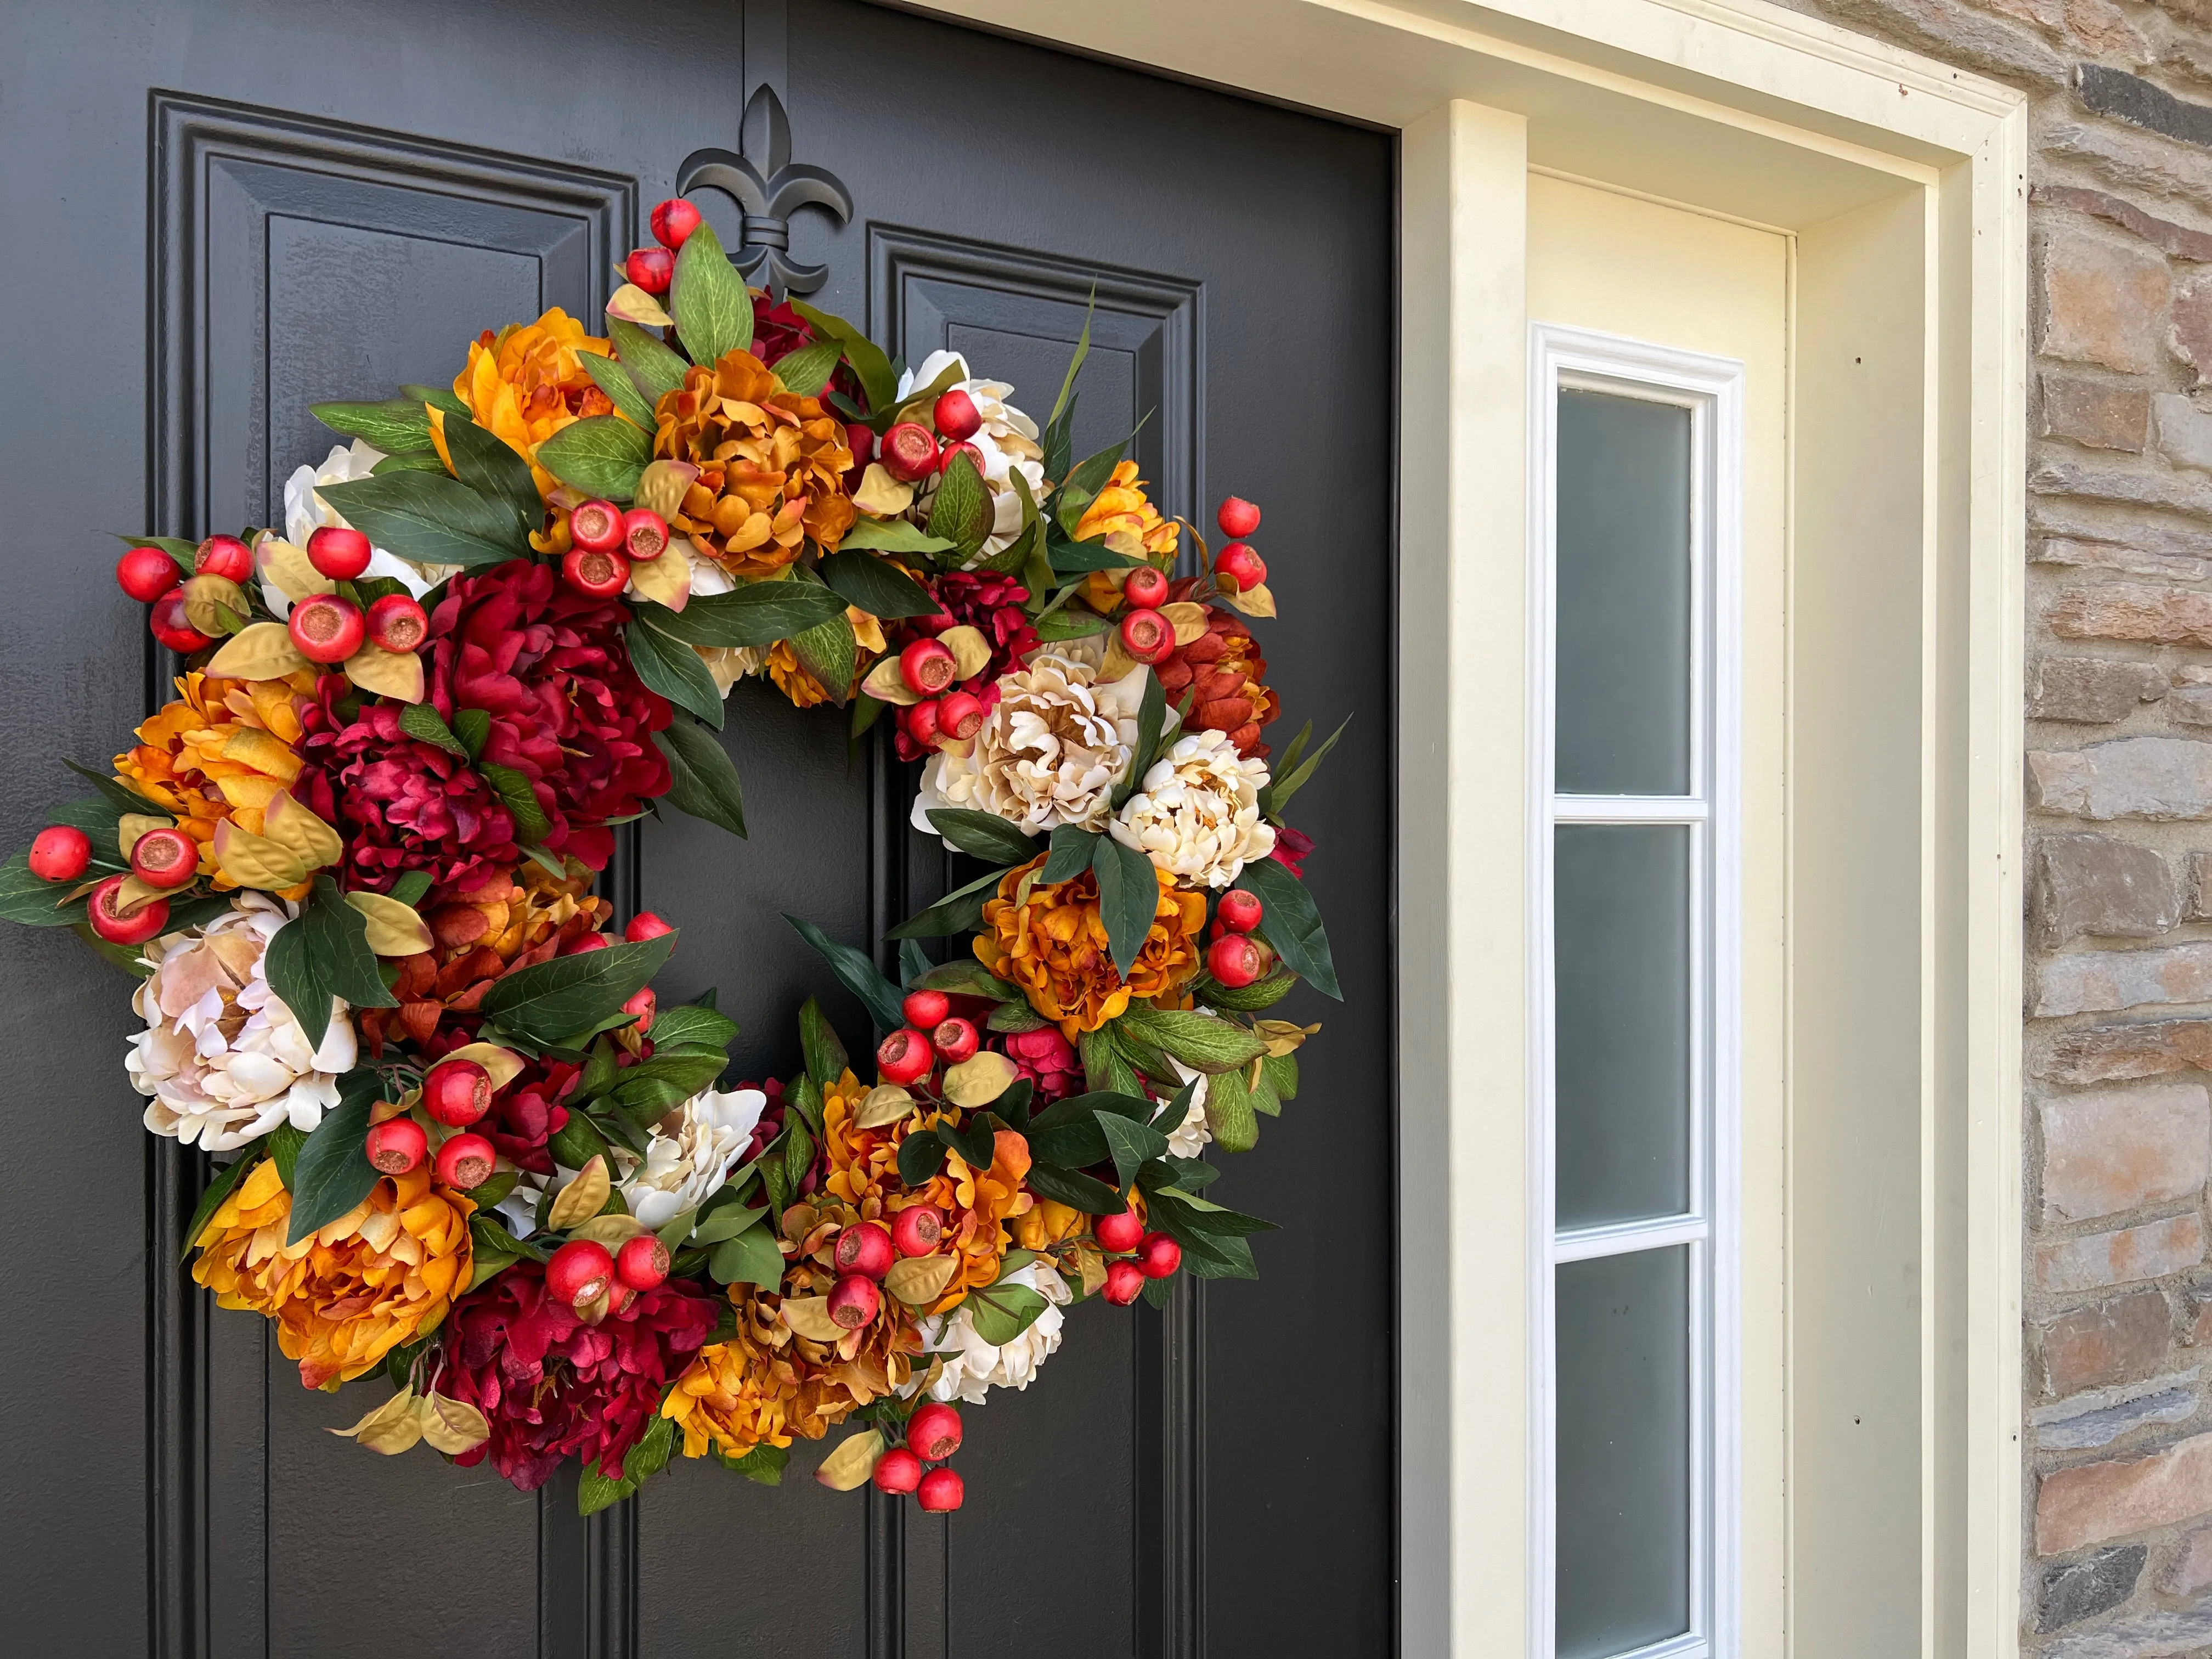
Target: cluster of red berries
327, 627
1236, 568
606, 541
933, 1435
1146, 634
1138, 1256
866, 1251
161, 858
1235, 958
932, 674
911, 452
653, 268
583, 1270
456, 1093
932, 1032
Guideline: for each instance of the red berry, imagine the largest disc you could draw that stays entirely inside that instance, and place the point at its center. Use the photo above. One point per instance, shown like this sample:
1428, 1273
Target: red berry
916, 1228
956, 416
933, 1432
1117, 1233
1240, 912
941, 1491
897, 1470
955, 1040
651, 268
645, 535
920, 719
861, 441
169, 626
601, 575
644, 926
328, 628
865, 1248
118, 928
596, 526
975, 457
1159, 1255
936, 623
457, 1092
673, 221
910, 452
579, 1271
224, 556
397, 623
1238, 570
465, 1162
643, 1262
164, 857
960, 715
1147, 635
338, 552
396, 1145
1237, 517
926, 1011
147, 572
904, 1056
1124, 1283
1235, 960
927, 667
584, 943
646, 1006
62, 850
853, 1301
1145, 588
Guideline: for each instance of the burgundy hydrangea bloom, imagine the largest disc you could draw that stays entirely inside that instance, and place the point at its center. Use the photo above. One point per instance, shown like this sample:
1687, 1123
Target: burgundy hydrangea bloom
990, 603
528, 1113
550, 1385
1046, 1058
771, 1118
568, 713
1292, 848
400, 804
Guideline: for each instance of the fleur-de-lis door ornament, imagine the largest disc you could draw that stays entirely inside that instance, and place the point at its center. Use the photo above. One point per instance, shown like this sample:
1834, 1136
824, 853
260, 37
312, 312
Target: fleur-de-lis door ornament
768, 188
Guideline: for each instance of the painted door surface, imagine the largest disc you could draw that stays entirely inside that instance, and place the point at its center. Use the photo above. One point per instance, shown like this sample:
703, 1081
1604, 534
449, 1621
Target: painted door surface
220, 212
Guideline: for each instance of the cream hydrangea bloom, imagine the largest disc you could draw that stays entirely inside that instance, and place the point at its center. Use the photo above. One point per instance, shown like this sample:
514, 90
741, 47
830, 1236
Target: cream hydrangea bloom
1197, 816
222, 1055
1048, 754
972, 1366
305, 511
687, 1166
1008, 443
1190, 1137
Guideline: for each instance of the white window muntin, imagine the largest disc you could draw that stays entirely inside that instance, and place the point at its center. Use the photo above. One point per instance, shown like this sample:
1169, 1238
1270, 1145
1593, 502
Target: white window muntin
1711, 389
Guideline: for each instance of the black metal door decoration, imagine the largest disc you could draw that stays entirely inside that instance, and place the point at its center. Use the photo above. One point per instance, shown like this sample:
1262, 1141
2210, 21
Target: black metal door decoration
768, 187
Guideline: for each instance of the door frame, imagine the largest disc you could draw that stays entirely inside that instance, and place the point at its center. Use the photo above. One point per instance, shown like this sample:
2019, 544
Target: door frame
1900, 181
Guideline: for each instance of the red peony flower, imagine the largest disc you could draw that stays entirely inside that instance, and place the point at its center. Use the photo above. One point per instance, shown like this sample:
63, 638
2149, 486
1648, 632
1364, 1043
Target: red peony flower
771, 1118
1292, 848
401, 804
550, 1385
1046, 1058
568, 713
990, 603
528, 1113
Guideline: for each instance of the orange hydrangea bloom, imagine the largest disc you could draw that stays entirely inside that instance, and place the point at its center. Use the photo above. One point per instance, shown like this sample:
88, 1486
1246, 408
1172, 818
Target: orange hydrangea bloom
1051, 942
222, 750
526, 382
1123, 505
738, 1394
379, 1276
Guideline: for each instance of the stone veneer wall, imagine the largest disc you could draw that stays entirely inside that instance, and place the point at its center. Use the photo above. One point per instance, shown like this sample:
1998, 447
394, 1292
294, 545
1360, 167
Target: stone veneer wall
2118, 1341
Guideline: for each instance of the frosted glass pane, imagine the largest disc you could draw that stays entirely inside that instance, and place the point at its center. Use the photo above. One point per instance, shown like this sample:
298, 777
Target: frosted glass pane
1621, 961
1623, 1355
1624, 596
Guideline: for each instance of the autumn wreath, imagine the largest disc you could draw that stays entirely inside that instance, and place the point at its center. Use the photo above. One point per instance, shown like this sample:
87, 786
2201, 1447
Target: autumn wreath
457, 1143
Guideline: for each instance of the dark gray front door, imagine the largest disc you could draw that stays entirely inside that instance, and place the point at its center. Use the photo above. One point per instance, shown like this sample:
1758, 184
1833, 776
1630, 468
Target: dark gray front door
219, 212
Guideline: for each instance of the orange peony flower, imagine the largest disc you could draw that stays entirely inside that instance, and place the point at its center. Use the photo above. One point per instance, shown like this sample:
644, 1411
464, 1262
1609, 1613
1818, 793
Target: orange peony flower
772, 465
376, 1278
222, 750
1123, 505
526, 382
738, 1394
1051, 942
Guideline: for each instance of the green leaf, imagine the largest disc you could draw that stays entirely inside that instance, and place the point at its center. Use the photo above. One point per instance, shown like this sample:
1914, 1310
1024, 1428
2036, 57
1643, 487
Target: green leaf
1229, 1112
713, 310
674, 670
1129, 898
429, 518
596, 1491
531, 826
333, 1174
921, 1157
1199, 1040
473, 727
601, 455
867, 359
422, 722
763, 1463
826, 1058
804, 1097
1069, 558
984, 835
1016, 1017
1204, 1255
1248, 999
965, 979
726, 1224
487, 465
808, 369
119, 794
439, 395
550, 1001
1131, 1144
1003, 1312
798, 1154
1086, 481
962, 513
914, 963
750, 1258
1281, 1071
759, 613
651, 364
35, 904
611, 378
975, 1143
958, 912
1204, 1216
1075, 622
1073, 1189
1152, 713
1104, 1067
702, 781
1078, 1110
421, 460
892, 536
284, 1142
321, 953
1292, 924
830, 652
689, 1025
1071, 1146
397, 426
1295, 772
857, 973
877, 586
410, 886
219, 1186
1065, 403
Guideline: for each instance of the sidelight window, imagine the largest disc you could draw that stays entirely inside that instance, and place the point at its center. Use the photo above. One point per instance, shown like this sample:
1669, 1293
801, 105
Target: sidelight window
1637, 463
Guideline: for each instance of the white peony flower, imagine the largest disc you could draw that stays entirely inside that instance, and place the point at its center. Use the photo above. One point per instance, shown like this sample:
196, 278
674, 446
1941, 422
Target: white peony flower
687, 1168
1197, 816
1047, 754
1190, 1137
304, 513
1007, 442
973, 1366
222, 1055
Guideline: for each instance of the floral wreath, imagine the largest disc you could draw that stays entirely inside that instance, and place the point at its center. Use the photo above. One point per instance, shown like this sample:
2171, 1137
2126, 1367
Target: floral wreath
352, 868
